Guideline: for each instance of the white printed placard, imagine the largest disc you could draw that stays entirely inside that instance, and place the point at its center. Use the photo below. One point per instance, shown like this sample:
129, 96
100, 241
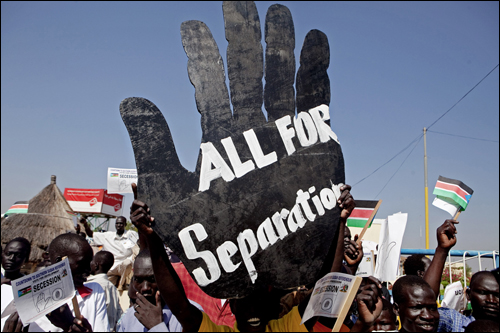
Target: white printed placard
389, 251
120, 180
366, 266
42, 292
330, 295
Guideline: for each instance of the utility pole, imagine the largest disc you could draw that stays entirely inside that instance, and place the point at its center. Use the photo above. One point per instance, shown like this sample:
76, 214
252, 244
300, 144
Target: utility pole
426, 193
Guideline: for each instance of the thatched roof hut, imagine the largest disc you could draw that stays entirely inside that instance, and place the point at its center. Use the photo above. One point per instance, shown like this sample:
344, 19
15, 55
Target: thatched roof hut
46, 219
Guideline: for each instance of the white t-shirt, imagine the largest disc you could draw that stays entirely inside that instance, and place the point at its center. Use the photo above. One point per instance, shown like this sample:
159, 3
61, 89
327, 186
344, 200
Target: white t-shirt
120, 246
7, 297
454, 296
92, 308
112, 298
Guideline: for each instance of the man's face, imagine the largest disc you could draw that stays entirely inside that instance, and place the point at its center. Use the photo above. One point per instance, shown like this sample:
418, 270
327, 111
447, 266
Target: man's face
13, 256
419, 312
131, 292
254, 311
385, 322
483, 295
120, 225
79, 262
144, 280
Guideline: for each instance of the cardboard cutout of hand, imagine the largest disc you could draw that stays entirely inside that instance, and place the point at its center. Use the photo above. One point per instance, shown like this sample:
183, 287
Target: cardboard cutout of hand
260, 208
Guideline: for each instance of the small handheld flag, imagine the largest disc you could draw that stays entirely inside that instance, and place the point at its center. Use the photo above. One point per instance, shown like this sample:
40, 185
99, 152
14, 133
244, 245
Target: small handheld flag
363, 215
360, 215
451, 195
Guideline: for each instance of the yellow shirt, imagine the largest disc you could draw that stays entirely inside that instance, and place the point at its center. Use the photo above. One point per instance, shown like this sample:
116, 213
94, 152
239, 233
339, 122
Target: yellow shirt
289, 323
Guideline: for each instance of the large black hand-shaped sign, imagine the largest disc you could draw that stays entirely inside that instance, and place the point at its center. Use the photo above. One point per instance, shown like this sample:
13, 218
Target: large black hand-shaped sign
261, 207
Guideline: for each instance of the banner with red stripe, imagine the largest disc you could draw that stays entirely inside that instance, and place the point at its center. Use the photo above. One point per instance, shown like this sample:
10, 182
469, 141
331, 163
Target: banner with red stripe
451, 192
19, 207
361, 214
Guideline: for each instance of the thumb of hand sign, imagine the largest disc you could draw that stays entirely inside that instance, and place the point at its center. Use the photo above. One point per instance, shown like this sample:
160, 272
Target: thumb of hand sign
134, 190
139, 214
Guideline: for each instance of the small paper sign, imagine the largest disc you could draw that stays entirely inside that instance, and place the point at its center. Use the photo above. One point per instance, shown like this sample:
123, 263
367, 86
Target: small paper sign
330, 295
42, 292
366, 266
120, 180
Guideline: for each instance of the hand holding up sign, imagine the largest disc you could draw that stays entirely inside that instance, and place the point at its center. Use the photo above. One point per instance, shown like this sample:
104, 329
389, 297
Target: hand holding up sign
369, 300
139, 215
63, 318
353, 253
446, 239
346, 202
13, 323
256, 181
446, 234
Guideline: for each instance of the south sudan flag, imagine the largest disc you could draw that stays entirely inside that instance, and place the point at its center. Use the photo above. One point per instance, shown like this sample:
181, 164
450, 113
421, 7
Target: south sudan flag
24, 291
361, 214
451, 193
19, 207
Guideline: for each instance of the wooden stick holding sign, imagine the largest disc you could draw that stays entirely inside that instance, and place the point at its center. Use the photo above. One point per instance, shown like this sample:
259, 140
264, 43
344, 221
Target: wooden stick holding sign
369, 221
347, 304
75, 302
457, 215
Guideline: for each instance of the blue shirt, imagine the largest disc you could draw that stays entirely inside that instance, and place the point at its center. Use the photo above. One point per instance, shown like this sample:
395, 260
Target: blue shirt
451, 320
129, 323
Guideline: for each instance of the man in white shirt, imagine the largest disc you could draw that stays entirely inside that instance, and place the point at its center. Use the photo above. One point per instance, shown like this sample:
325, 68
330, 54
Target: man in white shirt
121, 244
99, 267
90, 296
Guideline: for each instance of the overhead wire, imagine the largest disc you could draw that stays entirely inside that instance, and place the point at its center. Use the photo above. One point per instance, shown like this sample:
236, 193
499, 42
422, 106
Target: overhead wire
463, 136
421, 135
463, 97
402, 151
420, 138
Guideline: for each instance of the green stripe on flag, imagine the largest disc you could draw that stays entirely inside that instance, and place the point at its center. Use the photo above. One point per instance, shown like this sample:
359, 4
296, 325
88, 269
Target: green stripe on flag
442, 194
17, 211
358, 223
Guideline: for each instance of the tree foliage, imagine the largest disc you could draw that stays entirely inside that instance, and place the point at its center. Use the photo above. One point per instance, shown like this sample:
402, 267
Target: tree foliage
456, 275
130, 226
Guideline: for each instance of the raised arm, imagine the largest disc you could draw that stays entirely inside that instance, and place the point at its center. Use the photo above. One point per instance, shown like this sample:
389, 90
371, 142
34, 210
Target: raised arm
347, 203
88, 230
336, 252
169, 284
446, 240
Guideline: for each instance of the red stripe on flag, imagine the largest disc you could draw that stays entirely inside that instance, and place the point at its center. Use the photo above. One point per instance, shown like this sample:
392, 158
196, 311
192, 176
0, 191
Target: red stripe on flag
19, 207
361, 213
451, 187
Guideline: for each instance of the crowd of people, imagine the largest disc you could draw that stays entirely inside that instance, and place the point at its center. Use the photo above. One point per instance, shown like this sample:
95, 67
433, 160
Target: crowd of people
164, 297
